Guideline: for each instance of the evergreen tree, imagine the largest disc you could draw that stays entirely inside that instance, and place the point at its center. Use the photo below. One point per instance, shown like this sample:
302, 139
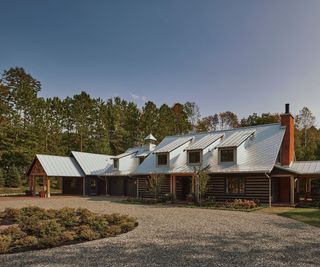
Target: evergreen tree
13, 177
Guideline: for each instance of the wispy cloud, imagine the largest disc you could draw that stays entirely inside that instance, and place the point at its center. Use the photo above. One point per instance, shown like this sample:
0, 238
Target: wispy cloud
138, 97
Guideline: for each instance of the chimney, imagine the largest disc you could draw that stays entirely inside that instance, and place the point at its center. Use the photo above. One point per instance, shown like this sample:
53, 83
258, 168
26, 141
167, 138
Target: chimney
287, 148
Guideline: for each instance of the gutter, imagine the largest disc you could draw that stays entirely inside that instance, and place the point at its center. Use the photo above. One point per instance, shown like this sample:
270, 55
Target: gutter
270, 194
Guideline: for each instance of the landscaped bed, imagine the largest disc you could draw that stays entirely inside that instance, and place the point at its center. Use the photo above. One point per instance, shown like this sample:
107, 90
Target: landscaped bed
234, 205
36, 228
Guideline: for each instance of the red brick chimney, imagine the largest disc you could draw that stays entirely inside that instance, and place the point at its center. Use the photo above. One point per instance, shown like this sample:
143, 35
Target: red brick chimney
287, 148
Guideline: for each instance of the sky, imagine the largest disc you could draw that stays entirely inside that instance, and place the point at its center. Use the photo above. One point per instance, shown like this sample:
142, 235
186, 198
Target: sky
243, 56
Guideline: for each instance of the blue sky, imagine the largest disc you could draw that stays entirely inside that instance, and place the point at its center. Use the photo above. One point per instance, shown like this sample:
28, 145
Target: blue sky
243, 56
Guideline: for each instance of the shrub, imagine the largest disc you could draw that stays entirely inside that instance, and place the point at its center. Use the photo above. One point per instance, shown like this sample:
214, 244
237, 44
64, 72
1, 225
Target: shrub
68, 218
26, 242
86, 233
5, 242
30, 225
14, 231
50, 241
127, 226
69, 235
242, 204
10, 215
112, 230
35, 211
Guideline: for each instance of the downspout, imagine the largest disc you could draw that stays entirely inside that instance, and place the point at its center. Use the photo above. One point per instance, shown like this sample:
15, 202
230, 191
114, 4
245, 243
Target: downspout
270, 195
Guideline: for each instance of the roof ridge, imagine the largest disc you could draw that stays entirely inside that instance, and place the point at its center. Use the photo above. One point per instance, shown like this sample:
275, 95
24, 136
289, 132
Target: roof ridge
92, 153
226, 130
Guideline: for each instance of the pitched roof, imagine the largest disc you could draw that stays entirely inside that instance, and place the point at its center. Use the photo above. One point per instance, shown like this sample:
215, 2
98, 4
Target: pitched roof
174, 144
150, 137
60, 166
303, 167
259, 153
236, 139
205, 141
93, 164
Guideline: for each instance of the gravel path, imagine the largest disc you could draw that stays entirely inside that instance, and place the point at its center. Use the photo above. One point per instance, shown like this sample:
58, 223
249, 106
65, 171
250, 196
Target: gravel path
174, 236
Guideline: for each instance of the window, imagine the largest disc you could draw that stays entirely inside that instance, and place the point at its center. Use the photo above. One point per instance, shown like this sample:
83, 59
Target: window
116, 163
227, 155
235, 185
194, 157
162, 159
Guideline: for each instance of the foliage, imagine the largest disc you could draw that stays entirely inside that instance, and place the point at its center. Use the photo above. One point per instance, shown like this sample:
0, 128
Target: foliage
30, 124
40, 228
242, 204
201, 179
154, 184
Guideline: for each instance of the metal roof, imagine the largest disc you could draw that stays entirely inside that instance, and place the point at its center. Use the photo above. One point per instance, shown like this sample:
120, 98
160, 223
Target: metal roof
125, 154
150, 137
205, 141
303, 167
143, 154
258, 155
60, 166
177, 142
236, 139
93, 164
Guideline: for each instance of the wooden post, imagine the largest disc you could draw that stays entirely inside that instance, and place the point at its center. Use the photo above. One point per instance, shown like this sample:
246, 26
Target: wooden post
48, 193
137, 187
84, 186
34, 182
171, 188
291, 190
174, 184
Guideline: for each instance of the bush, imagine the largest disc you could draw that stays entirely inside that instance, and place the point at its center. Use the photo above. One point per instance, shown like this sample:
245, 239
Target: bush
26, 242
242, 204
2, 180
14, 231
5, 242
86, 233
10, 215
40, 228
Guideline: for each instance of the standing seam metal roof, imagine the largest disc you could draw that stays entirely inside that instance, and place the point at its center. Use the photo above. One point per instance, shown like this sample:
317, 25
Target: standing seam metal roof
60, 166
204, 142
173, 145
303, 167
236, 139
93, 164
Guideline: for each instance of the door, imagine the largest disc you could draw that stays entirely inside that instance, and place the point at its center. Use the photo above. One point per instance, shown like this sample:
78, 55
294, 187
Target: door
93, 187
116, 186
280, 189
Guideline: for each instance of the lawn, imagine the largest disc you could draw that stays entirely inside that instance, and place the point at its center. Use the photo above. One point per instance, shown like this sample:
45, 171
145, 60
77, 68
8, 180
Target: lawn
306, 215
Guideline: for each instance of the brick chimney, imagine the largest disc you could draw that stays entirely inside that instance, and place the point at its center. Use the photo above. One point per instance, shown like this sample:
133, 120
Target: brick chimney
287, 148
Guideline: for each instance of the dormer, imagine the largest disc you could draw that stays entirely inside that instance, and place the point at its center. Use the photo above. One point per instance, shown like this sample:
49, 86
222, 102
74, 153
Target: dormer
230, 148
171, 150
196, 151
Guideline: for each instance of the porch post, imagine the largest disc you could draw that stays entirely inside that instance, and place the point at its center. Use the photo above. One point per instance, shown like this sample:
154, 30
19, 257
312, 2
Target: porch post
48, 194
84, 186
174, 184
171, 182
44, 183
137, 187
291, 190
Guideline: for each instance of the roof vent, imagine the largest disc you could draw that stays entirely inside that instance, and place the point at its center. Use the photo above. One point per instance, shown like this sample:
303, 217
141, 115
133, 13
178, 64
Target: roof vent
150, 138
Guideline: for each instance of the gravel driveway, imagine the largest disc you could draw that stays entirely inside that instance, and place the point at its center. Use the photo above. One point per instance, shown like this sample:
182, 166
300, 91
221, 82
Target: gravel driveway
175, 236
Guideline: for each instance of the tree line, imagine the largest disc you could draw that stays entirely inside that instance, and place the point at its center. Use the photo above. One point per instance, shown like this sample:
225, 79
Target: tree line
30, 124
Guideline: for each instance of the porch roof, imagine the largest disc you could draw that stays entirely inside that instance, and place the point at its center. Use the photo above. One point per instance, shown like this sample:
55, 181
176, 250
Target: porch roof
303, 167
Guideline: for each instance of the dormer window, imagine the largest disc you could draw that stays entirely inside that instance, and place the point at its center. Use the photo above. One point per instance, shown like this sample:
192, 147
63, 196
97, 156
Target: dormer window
162, 159
227, 155
194, 157
115, 163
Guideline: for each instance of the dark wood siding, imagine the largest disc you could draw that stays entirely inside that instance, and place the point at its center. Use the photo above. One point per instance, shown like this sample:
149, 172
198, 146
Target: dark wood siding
143, 186
256, 187
72, 185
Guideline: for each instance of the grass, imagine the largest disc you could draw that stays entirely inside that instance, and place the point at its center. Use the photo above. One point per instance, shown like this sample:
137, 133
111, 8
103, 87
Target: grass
307, 215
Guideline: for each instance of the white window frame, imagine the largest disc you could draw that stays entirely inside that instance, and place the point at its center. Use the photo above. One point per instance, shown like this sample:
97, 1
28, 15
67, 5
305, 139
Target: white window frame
194, 163
234, 149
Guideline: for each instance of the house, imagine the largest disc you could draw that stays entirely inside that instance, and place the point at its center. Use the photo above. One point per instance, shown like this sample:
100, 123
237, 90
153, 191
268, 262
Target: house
255, 162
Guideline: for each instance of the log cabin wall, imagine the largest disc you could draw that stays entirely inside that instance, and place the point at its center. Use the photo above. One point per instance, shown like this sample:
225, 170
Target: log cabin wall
72, 185
143, 186
256, 187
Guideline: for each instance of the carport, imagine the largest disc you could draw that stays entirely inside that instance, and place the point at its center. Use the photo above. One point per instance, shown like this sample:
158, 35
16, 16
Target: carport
50, 167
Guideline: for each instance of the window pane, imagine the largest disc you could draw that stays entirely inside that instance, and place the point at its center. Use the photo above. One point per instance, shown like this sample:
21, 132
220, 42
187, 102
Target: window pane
115, 163
227, 155
194, 157
235, 185
162, 159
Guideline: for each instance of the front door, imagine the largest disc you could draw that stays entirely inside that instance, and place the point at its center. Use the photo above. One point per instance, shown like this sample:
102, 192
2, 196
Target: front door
93, 188
281, 189
183, 187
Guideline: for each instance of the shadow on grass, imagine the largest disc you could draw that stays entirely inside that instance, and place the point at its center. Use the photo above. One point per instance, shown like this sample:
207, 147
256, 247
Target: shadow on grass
306, 215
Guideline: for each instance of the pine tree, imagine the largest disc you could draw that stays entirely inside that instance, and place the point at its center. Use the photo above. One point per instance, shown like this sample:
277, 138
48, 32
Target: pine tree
13, 177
